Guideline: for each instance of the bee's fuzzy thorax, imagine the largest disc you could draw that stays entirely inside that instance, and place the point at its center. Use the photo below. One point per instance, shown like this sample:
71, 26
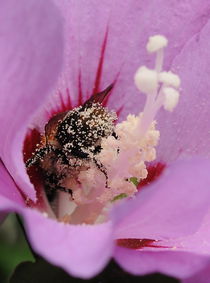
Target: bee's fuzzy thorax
83, 128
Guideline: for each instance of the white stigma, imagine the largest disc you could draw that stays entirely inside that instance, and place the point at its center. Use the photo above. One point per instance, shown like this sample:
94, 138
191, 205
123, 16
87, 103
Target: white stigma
159, 86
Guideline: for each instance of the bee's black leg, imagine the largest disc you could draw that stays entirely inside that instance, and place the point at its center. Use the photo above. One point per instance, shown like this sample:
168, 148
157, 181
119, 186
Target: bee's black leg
38, 154
102, 169
51, 191
62, 155
115, 135
51, 182
63, 189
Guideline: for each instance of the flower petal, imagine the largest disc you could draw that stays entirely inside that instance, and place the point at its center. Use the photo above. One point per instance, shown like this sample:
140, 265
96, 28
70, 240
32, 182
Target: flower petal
188, 126
82, 250
171, 207
106, 43
185, 256
177, 264
198, 242
201, 277
30, 59
10, 197
8, 188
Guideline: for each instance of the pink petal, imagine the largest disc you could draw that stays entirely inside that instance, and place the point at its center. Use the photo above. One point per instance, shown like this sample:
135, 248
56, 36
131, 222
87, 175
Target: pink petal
200, 277
8, 188
9, 194
198, 242
188, 126
171, 207
106, 43
82, 250
30, 60
178, 257
177, 264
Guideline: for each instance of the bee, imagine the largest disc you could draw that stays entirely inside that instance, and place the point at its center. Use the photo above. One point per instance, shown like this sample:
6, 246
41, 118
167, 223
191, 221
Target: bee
71, 138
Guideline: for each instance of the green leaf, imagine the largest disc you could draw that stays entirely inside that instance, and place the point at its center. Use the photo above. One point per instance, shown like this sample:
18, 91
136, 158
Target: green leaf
13, 247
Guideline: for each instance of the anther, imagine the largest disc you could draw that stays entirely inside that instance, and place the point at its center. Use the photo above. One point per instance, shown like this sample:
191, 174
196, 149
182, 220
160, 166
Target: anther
146, 80
156, 42
171, 98
169, 79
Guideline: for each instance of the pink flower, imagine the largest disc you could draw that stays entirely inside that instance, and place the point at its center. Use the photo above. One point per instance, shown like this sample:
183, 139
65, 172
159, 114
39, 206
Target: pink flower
160, 230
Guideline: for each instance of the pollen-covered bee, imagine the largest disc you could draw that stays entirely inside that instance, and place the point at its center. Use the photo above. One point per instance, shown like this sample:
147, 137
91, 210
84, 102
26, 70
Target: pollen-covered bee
72, 138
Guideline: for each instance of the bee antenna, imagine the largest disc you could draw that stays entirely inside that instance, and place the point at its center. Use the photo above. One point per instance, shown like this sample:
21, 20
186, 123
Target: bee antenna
38, 155
100, 96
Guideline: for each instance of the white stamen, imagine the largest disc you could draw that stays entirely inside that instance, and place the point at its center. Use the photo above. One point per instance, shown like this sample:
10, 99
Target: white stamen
156, 43
170, 79
171, 98
146, 80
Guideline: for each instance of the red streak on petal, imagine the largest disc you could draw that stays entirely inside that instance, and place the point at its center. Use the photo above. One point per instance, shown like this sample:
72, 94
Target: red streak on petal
135, 244
96, 88
119, 111
80, 95
154, 172
69, 103
62, 103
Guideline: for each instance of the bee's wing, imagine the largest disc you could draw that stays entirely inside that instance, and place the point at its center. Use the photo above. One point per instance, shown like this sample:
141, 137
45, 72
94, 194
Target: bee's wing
99, 97
51, 127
